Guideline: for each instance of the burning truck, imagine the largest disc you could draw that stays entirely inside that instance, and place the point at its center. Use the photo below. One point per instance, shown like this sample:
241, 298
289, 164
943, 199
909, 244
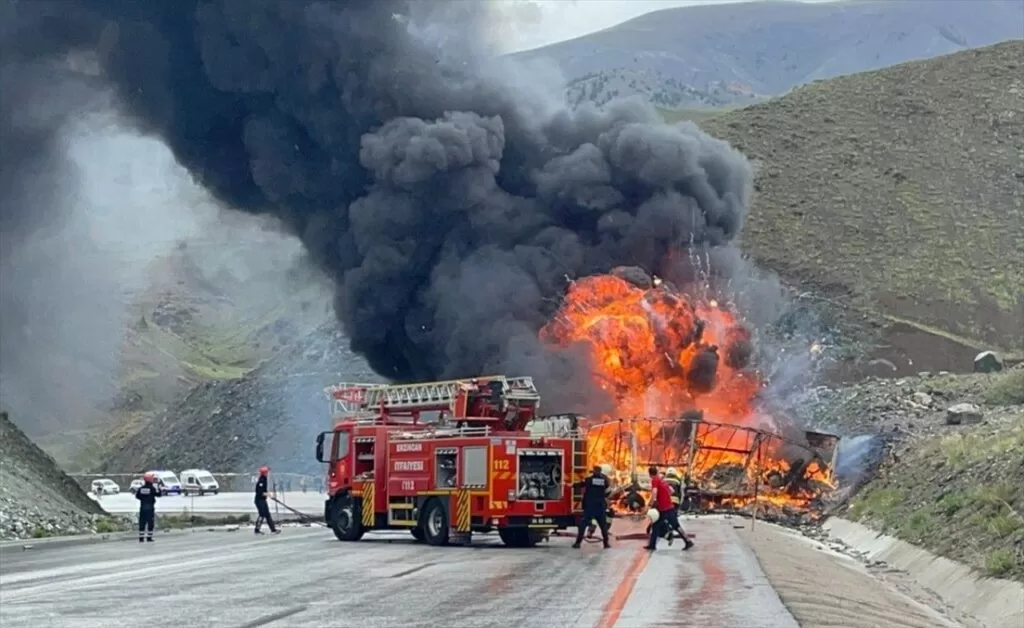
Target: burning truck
684, 395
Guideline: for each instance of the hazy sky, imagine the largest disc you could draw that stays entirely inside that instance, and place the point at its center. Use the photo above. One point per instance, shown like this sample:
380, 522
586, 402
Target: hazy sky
534, 23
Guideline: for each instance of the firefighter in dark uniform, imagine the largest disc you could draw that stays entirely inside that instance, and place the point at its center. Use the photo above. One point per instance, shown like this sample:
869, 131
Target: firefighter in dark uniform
147, 494
262, 509
595, 505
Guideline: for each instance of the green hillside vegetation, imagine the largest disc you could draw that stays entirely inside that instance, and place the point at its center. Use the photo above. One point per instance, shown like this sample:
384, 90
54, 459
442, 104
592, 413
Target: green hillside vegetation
697, 116
898, 193
197, 323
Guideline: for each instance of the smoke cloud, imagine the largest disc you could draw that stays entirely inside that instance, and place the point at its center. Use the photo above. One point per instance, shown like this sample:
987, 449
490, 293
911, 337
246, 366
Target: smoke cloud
446, 197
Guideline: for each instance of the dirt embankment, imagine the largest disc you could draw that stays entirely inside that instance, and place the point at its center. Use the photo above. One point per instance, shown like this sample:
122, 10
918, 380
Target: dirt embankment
950, 477
37, 499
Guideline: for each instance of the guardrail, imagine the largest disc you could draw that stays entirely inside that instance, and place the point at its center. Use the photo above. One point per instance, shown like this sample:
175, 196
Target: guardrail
228, 482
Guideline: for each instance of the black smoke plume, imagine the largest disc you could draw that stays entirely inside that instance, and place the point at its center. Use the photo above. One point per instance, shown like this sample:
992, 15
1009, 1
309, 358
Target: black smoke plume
447, 201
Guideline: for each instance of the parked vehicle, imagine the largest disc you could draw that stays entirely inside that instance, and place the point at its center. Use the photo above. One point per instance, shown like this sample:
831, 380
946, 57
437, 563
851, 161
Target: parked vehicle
134, 486
198, 482
168, 482
105, 486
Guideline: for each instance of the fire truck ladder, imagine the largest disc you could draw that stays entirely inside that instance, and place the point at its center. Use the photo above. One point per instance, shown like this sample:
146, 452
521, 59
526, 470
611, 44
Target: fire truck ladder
425, 395
579, 471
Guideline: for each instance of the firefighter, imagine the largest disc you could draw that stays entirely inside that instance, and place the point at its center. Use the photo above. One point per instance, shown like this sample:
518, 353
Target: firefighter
262, 509
147, 494
668, 515
595, 506
613, 492
672, 523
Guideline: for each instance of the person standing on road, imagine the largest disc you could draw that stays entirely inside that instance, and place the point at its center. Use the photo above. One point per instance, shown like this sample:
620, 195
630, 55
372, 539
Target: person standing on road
147, 494
595, 506
262, 509
668, 515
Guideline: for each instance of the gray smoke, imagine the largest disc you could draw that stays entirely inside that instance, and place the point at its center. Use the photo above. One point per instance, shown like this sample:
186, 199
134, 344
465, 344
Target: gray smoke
446, 199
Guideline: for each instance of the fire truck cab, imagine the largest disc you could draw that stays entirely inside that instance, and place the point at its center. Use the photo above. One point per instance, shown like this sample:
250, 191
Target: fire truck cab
447, 459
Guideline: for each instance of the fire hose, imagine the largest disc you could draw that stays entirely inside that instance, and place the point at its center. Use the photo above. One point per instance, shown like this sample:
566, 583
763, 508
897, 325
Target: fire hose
305, 518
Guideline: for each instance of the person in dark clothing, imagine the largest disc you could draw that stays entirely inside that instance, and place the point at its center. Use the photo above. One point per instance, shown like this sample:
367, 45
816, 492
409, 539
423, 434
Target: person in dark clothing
595, 506
262, 509
668, 515
147, 494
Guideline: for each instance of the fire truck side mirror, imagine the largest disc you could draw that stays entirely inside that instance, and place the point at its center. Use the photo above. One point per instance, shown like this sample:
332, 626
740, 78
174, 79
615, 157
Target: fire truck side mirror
320, 447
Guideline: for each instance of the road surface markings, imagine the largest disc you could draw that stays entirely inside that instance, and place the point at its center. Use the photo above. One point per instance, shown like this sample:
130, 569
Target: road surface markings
619, 598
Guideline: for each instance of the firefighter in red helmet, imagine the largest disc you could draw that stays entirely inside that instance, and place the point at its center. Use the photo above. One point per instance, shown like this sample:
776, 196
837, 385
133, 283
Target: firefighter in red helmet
262, 509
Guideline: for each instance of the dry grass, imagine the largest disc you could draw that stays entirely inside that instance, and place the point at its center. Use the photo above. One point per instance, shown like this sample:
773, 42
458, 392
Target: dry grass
900, 191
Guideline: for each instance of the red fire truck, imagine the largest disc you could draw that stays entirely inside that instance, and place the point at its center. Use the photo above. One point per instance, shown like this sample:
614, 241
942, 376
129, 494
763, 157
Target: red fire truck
446, 459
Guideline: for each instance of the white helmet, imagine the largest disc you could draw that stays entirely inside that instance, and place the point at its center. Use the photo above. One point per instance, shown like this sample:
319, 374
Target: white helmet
653, 515
606, 469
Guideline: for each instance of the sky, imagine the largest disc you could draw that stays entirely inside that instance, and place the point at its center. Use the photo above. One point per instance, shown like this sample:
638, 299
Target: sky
535, 23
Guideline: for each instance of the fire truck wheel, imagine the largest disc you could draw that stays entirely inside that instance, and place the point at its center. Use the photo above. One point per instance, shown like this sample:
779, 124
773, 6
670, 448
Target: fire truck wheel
344, 519
520, 537
435, 523
417, 533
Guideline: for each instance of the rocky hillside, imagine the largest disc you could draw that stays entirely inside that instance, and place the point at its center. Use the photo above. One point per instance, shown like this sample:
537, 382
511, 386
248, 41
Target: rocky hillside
734, 53
950, 462
269, 416
897, 196
36, 498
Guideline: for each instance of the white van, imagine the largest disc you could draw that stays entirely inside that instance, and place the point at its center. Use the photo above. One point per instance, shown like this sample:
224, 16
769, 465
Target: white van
168, 482
198, 481
105, 486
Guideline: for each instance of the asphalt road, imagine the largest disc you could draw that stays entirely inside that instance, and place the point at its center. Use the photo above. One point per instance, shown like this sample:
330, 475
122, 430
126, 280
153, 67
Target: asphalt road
304, 577
222, 503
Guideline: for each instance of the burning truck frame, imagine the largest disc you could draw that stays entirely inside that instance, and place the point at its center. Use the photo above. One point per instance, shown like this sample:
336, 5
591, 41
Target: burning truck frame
683, 393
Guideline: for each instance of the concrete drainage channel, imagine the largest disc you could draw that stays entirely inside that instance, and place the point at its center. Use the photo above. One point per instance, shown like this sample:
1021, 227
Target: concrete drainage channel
995, 603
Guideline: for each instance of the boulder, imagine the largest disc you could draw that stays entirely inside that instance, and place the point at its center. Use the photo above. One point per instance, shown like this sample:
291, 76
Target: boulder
923, 398
963, 414
988, 362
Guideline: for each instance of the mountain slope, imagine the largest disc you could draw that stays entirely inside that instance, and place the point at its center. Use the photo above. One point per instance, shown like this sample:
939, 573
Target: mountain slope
900, 191
734, 53
36, 497
269, 416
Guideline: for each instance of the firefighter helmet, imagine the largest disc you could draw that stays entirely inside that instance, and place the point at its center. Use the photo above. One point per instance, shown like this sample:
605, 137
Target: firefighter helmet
671, 472
653, 515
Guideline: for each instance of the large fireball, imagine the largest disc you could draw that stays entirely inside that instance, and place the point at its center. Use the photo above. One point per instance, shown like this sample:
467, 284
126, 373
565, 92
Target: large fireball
663, 356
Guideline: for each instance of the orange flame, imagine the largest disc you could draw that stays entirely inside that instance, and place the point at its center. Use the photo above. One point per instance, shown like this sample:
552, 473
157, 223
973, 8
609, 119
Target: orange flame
661, 356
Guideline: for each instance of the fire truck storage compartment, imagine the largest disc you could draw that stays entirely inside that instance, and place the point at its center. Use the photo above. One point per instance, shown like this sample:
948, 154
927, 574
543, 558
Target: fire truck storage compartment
540, 474
365, 454
474, 465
